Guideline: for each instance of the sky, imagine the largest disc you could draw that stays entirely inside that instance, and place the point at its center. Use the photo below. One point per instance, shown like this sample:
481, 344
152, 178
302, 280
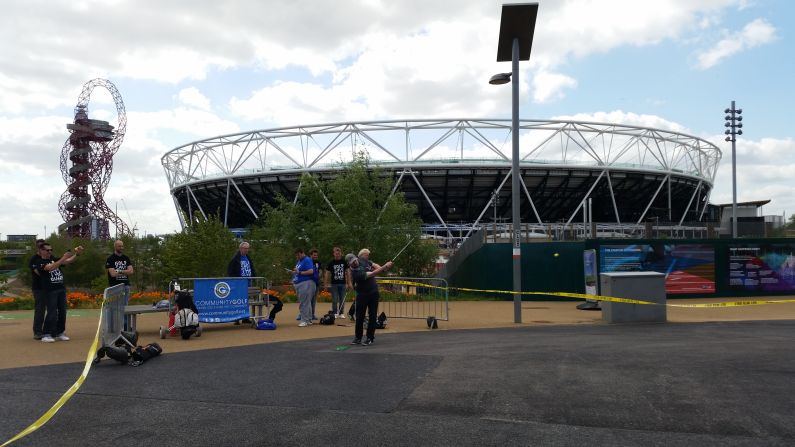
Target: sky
190, 70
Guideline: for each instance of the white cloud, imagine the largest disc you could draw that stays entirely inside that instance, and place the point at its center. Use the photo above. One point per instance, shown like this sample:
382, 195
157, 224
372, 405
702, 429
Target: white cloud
193, 97
765, 170
758, 32
549, 86
627, 118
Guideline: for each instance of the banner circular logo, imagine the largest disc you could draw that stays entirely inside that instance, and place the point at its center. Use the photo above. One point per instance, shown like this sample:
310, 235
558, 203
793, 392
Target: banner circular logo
222, 290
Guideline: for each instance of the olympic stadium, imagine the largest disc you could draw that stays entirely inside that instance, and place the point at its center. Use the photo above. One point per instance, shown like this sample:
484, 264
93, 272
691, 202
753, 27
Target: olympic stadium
573, 173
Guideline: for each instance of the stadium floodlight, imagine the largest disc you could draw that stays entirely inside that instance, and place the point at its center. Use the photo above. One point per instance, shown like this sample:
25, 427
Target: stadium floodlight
734, 124
517, 26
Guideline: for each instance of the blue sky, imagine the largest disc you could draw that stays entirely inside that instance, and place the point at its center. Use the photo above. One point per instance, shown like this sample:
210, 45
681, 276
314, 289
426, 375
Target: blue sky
193, 70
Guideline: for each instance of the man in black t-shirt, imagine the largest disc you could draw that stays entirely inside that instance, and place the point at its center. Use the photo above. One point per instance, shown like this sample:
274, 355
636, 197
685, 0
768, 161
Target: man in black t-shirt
48, 268
119, 266
39, 298
313, 253
362, 275
335, 281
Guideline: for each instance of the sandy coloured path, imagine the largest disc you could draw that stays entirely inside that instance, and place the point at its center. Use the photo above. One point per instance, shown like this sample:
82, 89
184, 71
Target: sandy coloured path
19, 349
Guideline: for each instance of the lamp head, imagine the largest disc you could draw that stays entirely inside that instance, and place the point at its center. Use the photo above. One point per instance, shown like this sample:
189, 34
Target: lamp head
500, 78
727, 111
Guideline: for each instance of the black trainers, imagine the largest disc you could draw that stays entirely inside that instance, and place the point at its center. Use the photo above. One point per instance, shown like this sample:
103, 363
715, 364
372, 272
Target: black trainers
356, 341
368, 342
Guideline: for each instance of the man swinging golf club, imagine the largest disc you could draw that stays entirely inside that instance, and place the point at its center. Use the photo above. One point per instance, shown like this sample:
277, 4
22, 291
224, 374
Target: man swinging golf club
362, 277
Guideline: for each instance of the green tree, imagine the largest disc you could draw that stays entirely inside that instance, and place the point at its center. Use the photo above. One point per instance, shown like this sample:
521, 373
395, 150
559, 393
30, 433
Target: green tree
202, 250
4, 277
365, 214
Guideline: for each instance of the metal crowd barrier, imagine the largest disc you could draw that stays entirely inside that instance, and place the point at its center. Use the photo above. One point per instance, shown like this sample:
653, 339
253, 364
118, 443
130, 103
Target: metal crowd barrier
115, 299
414, 301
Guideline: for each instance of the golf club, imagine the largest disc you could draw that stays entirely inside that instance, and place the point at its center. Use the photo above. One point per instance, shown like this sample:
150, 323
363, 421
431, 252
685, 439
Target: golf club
401, 250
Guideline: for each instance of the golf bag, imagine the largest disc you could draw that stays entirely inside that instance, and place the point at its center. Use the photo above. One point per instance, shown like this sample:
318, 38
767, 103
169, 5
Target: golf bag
380, 322
143, 353
119, 353
328, 319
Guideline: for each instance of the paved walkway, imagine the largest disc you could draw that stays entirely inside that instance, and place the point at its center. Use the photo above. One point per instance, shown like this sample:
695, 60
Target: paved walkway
705, 384
706, 378
19, 348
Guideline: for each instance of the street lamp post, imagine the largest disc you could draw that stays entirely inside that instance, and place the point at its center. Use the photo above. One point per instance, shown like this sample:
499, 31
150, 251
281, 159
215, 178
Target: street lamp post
734, 127
517, 25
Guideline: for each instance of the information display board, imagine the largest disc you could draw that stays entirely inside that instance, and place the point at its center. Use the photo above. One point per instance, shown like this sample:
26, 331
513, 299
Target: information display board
688, 268
762, 267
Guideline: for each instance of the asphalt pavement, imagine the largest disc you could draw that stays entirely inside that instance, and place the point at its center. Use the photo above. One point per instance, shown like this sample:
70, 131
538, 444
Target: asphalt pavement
704, 384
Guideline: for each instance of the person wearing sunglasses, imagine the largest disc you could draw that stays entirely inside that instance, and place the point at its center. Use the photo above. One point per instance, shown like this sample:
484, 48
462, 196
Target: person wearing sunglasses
52, 282
39, 298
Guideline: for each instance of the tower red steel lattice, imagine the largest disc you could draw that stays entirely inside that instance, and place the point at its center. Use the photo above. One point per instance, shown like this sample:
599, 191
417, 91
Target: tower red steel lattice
90, 149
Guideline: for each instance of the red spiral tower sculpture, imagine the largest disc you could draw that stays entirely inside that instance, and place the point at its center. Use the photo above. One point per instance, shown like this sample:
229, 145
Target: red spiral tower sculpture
90, 149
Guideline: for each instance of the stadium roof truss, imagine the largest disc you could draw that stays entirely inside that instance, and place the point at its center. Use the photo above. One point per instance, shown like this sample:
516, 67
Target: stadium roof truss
456, 170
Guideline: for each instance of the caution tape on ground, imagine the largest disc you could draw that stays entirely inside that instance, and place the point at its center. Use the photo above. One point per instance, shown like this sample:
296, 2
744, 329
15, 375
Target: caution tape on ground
68, 394
583, 296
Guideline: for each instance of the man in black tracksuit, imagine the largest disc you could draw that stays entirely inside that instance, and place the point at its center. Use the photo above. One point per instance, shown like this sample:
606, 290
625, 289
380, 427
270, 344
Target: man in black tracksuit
362, 275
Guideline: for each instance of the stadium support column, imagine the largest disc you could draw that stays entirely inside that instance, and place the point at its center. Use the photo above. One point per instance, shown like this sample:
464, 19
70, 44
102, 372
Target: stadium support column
517, 25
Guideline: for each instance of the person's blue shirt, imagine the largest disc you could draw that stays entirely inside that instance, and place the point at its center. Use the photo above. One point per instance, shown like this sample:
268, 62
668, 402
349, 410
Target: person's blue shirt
303, 265
245, 267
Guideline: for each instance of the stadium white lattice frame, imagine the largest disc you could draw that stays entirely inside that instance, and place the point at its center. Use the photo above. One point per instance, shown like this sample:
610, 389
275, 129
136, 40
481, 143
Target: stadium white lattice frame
403, 145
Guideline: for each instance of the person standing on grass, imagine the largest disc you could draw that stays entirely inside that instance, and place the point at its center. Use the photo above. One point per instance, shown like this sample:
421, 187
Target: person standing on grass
39, 296
313, 253
119, 266
335, 281
363, 273
241, 267
304, 283
52, 281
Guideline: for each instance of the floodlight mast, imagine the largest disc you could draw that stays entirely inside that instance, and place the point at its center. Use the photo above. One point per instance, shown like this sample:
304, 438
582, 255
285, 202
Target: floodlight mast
734, 127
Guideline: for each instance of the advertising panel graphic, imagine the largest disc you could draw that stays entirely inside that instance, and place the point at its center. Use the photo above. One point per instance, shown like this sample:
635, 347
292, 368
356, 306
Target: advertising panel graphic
762, 267
688, 268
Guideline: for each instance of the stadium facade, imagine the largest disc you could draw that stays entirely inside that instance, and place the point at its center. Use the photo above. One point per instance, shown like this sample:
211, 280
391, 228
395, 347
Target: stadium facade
456, 171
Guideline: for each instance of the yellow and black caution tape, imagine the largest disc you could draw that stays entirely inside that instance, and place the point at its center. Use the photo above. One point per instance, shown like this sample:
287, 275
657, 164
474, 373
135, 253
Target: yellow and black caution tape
583, 296
68, 394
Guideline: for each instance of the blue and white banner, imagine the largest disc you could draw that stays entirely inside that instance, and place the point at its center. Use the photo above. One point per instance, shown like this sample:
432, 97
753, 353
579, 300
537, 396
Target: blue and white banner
221, 300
